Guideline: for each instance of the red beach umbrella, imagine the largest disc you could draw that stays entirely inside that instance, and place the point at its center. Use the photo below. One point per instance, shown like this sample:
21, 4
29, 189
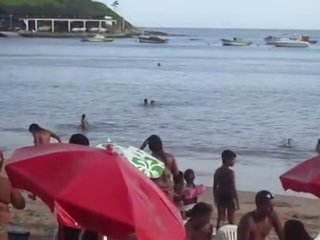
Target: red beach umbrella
97, 189
304, 177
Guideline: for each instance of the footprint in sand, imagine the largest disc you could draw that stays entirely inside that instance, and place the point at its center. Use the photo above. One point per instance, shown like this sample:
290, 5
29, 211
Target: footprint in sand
305, 217
283, 204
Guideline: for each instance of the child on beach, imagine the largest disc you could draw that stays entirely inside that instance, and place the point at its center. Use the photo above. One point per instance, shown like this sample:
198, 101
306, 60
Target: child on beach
199, 226
178, 187
224, 189
191, 191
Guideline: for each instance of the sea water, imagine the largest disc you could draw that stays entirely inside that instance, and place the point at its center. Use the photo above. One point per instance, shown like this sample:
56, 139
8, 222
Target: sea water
208, 98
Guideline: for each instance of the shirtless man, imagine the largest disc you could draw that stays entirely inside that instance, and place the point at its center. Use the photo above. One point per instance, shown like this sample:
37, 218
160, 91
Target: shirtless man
256, 225
41, 135
224, 189
155, 144
8, 196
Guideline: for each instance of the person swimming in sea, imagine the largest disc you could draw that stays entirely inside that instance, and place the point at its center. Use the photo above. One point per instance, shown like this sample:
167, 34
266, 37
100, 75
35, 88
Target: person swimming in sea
318, 146
145, 102
288, 143
84, 124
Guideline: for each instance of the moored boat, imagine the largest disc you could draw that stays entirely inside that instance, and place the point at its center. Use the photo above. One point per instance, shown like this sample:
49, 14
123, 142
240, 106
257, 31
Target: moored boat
238, 42
291, 43
308, 39
152, 39
271, 40
97, 38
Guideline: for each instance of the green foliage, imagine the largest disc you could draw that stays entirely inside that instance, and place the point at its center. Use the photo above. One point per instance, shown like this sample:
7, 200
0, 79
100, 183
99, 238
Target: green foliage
86, 4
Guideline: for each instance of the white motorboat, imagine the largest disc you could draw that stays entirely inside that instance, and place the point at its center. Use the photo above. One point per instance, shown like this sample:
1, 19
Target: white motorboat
237, 42
152, 39
79, 29
271, 40
97, 38
291, 43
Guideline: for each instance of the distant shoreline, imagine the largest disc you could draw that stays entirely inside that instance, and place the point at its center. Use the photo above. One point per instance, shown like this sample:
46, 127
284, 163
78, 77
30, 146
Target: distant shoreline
28, 34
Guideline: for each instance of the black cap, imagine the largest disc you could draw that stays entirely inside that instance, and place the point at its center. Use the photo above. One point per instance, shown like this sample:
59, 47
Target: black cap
263, 196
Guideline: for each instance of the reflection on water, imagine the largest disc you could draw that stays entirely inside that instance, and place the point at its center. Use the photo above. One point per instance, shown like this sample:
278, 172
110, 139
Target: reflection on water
208, 98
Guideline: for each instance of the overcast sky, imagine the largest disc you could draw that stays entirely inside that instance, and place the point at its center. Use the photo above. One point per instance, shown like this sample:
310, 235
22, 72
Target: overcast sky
275, 14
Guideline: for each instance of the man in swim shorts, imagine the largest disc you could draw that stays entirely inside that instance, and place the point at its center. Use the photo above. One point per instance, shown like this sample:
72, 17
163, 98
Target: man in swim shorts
41, 135
256, 225
8, 196
224, 189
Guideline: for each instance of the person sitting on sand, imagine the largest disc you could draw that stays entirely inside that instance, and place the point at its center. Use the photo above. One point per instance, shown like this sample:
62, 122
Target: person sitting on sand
224, 189
199, 226
257, 224
8, 196
84, 124
294, 229
41, 135
318, 147
155, 145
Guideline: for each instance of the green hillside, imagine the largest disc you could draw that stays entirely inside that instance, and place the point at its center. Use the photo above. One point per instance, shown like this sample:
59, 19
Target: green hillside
88, 6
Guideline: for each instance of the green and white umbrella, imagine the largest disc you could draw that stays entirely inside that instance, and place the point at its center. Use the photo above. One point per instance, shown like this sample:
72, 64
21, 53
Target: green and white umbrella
149, 165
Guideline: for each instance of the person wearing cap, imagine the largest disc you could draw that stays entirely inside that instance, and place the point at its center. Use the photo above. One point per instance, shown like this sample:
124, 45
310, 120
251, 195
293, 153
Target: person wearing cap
257, 224
84, 124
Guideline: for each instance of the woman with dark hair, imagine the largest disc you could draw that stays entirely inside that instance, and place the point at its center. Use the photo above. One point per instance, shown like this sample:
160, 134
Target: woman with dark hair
155, 145
294, 230
41, 135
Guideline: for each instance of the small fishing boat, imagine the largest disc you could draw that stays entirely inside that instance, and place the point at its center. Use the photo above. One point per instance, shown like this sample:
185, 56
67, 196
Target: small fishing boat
152, 39
97, 38
294, 43
237, 42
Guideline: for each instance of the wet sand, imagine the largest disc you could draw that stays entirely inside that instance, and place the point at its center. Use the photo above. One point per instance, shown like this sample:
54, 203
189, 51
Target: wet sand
41, 223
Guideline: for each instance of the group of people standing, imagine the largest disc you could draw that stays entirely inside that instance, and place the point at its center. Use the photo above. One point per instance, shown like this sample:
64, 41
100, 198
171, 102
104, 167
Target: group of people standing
254, 225
181, 189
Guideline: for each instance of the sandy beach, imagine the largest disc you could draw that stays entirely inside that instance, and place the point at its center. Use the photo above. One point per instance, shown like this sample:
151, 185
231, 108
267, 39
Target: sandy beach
41, 223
